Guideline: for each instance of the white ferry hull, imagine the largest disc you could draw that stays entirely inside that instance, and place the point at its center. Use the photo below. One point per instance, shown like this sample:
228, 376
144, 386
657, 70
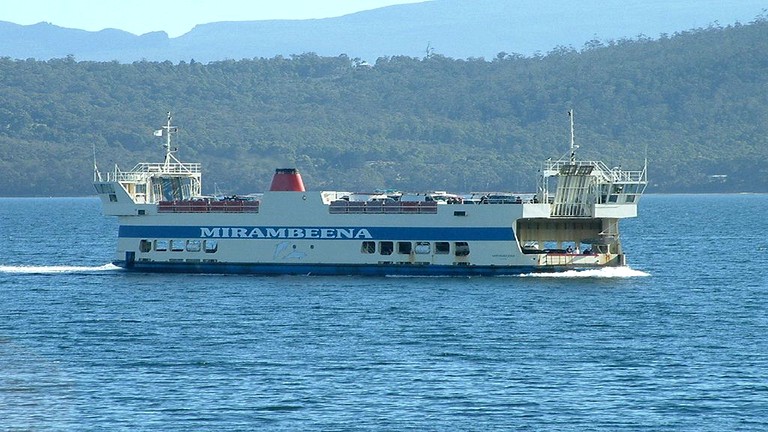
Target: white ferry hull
167, 225
296, 233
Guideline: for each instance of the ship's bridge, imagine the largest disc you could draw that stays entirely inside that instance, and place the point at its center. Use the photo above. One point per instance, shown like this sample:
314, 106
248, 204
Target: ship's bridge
586, 189
138, 190
148, 183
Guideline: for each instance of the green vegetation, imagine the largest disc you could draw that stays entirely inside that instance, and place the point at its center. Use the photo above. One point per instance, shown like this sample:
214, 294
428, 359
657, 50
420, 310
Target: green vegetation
695, 104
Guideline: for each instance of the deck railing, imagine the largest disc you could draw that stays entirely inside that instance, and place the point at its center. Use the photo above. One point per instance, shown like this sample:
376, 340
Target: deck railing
394, 207
203, 206
143, 171
611, 175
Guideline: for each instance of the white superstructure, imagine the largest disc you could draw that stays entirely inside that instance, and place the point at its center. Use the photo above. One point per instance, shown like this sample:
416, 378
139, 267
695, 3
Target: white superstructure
165, 224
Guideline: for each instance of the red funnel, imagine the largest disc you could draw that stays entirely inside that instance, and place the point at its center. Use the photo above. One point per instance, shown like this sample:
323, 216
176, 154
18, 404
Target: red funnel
287, 180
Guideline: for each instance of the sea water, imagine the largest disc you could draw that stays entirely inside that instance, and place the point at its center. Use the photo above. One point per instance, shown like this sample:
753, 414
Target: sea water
676, 341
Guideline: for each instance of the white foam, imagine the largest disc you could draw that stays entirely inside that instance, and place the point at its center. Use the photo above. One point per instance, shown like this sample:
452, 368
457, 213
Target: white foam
56, 269
604, 272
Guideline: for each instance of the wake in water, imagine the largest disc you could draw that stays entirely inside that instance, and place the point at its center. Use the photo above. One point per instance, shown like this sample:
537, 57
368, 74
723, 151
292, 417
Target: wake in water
56, 269
605, 272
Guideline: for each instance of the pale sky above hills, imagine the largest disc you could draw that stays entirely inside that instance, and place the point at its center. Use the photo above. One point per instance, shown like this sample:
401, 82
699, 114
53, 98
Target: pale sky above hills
175, 17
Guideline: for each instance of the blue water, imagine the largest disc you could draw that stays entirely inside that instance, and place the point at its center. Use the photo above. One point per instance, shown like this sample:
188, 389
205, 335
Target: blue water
678, 342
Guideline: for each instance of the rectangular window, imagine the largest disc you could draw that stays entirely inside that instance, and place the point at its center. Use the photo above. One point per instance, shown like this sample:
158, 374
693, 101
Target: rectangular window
462, 248
105, 188
422, 248
386, 247
112, 198
442, 248
145, 246
404, 247
161, 245
193, 245
368, 247
177, 245
210, 246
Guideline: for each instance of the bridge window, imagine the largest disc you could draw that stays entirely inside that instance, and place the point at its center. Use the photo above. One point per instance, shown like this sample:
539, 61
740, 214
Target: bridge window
631, 188
105, 188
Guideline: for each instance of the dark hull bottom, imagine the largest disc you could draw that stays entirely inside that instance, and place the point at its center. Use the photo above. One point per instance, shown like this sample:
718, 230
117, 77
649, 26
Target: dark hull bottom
338, 269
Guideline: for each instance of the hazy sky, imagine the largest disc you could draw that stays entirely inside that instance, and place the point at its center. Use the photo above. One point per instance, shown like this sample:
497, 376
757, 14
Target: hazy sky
176, 17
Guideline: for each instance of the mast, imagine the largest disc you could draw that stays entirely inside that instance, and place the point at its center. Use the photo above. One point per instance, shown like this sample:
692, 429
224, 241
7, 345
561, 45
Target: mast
96, 173
167, 131
573, 140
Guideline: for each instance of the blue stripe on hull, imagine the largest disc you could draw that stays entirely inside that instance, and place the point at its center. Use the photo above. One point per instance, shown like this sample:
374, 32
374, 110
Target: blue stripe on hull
317, 233
332, 269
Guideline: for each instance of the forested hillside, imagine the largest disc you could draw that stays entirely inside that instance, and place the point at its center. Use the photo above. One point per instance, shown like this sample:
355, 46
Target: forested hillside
695, 104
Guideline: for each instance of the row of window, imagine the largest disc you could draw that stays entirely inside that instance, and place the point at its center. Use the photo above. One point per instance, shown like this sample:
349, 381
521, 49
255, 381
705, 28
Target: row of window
208, 246
367, 247
615, 198
420, 248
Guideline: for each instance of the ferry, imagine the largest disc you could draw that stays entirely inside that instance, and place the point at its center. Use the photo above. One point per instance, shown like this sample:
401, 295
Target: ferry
166, 224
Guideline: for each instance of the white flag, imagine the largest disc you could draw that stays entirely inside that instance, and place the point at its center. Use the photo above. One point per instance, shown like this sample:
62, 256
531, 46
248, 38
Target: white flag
159, 132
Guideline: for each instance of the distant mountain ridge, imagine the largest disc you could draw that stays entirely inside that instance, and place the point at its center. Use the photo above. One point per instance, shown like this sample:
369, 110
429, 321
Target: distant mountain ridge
454, 28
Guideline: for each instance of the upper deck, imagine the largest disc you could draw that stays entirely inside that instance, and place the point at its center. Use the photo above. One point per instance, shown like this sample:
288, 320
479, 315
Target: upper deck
568, 188
143, 171
585, 189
